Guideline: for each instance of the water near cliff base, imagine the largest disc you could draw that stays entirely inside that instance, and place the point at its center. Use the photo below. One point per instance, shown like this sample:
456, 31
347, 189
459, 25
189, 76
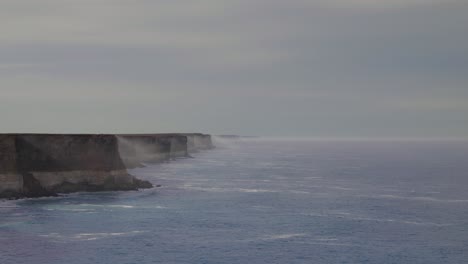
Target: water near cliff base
262, 201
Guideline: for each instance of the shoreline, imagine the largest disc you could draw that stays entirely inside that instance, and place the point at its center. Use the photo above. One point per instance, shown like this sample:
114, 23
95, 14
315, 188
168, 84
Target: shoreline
42, 165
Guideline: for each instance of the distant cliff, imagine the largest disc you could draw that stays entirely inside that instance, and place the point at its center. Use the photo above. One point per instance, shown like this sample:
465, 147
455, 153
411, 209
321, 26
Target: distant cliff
33, 165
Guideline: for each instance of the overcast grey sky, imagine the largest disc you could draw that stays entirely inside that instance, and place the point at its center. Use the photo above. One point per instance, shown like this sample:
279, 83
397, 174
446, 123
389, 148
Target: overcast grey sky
323, 68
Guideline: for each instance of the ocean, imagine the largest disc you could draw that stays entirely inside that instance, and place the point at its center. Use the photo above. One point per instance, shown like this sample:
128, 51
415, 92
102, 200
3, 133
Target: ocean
262, 201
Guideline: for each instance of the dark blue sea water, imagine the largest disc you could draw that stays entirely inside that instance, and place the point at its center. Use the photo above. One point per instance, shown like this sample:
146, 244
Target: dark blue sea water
262, 201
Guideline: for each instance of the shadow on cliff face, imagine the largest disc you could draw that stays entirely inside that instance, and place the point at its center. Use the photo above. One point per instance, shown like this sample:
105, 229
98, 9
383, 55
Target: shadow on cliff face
67, 152
33, 188
31, 156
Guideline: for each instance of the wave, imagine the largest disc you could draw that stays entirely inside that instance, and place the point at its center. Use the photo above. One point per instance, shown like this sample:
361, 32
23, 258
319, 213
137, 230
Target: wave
219, 189
71, 210
110, 206
283, 236
123, 206
89, 236
242, 190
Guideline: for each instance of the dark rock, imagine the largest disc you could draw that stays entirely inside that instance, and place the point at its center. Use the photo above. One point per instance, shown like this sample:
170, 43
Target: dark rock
33, 188
142, 184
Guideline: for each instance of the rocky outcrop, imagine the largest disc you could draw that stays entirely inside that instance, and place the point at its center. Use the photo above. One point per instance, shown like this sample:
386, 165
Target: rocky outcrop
33, 165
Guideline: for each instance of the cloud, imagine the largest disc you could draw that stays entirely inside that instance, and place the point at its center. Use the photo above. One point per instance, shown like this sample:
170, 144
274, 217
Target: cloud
322, 61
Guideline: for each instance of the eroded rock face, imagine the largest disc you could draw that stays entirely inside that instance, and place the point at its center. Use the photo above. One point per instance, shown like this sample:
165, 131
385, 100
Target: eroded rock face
11, 182
138, 149
147, 148
197, 142
33, 165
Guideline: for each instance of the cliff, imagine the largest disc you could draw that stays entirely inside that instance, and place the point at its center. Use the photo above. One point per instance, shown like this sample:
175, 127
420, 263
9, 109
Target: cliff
138, 149
33, 165
198, 141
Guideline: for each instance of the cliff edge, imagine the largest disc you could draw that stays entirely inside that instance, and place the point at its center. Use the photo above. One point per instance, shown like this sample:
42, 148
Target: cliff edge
34, 165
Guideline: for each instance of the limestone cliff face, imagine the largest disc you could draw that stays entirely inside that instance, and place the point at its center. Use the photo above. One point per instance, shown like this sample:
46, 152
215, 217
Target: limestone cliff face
179, 146
44, 164
146, 148
40, 165
10, 180
198, 141
149, 148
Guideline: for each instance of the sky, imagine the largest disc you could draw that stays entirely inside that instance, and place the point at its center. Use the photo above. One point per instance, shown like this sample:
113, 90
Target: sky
295, 68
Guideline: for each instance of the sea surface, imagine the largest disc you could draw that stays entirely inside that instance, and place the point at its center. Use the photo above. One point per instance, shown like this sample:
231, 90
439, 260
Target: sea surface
262, 201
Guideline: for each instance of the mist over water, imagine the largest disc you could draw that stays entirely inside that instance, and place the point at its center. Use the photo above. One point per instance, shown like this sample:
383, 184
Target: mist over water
262, 201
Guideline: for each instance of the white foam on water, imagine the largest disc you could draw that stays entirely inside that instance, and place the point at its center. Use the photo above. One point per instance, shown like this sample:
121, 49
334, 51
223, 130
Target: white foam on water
110, 206
341, 188
325, 239
253, 190
283, 236
95, 236
123, 206
298, 192
89, 236
70, 209
219, 189
262, 207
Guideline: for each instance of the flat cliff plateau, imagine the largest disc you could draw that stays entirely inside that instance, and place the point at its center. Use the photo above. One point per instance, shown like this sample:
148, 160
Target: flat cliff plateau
35, 165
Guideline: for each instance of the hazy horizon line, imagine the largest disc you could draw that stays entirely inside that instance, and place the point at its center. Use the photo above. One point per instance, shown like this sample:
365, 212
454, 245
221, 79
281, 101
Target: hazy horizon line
265, 137
315, 138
